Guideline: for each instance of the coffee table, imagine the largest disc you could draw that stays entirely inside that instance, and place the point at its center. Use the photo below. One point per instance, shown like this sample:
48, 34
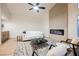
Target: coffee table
39, 46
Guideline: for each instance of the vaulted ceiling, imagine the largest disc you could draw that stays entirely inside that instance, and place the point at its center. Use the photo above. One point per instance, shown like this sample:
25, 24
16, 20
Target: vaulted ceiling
23, 8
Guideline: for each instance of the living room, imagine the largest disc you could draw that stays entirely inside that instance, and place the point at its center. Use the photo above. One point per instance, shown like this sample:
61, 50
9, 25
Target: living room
57, 21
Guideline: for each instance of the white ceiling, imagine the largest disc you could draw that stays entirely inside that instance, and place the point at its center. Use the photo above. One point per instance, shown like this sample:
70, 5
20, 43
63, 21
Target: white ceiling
16, 8
23, 8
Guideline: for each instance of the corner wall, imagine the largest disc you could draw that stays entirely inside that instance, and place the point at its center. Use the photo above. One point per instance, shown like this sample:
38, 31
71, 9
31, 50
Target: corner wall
58, 20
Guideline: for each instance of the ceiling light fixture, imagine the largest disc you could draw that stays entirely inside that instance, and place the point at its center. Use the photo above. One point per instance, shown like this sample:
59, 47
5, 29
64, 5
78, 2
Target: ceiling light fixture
36, 8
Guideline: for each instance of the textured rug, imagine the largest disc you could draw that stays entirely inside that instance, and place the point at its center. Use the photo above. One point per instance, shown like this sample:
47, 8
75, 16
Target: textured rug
25, 49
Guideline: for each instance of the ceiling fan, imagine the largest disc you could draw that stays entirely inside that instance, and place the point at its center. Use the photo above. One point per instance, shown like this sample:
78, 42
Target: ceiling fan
36, 6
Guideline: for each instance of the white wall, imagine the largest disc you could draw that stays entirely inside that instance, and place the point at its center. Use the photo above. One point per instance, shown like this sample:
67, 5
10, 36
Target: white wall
45, 24
73, 12
37, 22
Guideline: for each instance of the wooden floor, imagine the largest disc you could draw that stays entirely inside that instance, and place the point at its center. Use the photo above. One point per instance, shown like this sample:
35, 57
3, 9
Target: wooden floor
8, 48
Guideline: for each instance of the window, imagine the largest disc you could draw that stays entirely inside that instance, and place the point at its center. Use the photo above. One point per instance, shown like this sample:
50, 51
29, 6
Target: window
77, 5
78, 26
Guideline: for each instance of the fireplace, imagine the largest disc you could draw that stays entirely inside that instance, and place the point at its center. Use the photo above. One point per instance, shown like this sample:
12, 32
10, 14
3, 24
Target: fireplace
57, 31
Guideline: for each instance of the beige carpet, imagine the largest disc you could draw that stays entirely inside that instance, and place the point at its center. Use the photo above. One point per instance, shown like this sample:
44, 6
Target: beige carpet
8, 48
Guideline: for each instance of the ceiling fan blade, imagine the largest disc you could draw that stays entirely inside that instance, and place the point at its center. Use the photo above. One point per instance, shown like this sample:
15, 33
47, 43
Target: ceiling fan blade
42, 7
31, 4
30, 8
37, 4
38, 11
